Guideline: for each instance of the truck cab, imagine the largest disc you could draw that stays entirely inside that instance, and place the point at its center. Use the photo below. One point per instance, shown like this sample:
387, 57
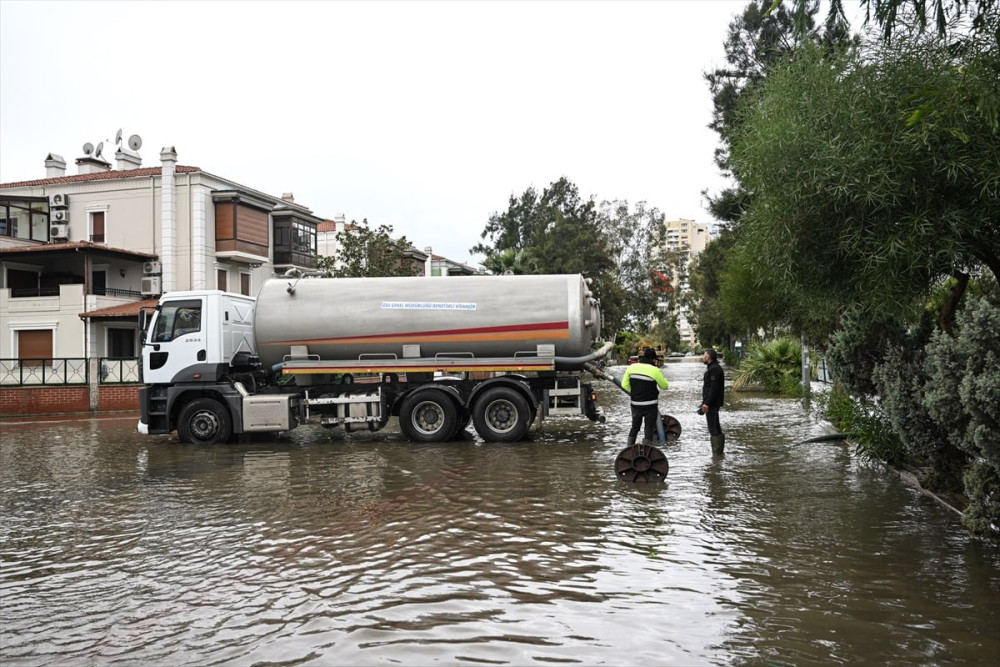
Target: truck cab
196, 334
198, 358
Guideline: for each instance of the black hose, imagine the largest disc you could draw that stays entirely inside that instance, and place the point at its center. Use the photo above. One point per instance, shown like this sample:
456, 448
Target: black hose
829, 437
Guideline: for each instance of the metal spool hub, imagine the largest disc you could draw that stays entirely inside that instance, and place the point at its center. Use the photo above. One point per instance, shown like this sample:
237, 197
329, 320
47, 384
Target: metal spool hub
641, 463
671, 428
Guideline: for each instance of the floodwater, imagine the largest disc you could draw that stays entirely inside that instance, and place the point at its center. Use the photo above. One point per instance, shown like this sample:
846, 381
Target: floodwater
324, 549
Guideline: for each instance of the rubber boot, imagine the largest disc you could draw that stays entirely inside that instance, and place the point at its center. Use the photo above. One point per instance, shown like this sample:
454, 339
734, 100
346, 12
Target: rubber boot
718, 445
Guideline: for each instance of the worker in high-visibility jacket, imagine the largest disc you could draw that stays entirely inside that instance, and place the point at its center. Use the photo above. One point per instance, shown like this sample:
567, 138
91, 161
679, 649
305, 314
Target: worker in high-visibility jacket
643, 382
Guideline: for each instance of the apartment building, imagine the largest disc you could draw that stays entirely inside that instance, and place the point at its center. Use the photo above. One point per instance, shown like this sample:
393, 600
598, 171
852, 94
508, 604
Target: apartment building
81, 254
684, 240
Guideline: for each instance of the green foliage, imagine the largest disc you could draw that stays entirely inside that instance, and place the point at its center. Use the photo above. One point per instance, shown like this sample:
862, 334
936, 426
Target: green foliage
775, 366
667, 335
963, 393
901, 382
982, 487
846, 196
858, 346
877, 442
632, 232
365, 252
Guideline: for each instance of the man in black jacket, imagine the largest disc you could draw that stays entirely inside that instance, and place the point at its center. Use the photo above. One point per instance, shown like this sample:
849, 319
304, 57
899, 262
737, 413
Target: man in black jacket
711, 399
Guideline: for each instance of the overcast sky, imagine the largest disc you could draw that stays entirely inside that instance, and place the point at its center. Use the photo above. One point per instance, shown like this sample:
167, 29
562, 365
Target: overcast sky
426, 116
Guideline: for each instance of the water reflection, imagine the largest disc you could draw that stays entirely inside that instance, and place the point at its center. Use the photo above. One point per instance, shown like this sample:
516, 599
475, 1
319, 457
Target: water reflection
319, 548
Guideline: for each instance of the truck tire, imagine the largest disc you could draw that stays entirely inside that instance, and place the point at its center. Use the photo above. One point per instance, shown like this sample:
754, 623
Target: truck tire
430, 416
204, 421
502, 414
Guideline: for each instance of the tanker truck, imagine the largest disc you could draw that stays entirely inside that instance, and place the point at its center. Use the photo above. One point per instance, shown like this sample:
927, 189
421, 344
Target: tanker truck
351, 353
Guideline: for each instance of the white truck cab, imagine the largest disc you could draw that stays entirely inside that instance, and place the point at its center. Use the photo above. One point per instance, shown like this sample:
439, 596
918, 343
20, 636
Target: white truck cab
192, 333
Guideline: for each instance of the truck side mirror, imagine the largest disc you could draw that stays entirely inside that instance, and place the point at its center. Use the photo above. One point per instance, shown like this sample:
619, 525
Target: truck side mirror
143, 322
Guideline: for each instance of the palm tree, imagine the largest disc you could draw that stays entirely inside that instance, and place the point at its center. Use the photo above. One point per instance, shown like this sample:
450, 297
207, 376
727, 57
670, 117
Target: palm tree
774, 366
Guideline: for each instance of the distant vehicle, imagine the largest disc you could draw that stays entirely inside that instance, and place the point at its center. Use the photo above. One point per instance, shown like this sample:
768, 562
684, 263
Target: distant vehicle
634, 359
676, 354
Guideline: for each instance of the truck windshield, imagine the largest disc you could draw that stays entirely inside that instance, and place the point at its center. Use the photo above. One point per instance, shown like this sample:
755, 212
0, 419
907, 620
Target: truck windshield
176, 319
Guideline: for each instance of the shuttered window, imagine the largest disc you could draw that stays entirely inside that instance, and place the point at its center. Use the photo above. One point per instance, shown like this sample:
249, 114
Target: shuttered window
35, 345
97, 227
245, 284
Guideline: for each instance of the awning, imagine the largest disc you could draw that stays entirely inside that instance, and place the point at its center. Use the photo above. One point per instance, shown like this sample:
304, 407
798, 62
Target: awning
125, 310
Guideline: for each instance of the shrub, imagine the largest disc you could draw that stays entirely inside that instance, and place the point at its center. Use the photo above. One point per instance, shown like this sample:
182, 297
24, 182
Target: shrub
776, 367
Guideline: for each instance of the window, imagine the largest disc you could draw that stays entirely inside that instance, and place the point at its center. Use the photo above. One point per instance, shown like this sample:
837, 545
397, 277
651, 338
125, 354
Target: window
121, 343
177, 319
97, 226
36, 346
245, 284
99, 282
221, 279
25, 218
304, 238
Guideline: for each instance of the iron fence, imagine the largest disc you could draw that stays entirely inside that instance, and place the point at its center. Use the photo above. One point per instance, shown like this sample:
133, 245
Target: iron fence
68, 371
120, 370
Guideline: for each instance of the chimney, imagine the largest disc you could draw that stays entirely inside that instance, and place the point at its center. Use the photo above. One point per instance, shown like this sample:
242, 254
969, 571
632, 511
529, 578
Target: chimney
126, 159
339, 221
55, 166
288, 197
91, 165
168, 219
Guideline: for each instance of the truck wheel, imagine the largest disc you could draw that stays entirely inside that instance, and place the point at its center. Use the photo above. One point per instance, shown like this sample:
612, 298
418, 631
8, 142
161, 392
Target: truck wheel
204, 422
428, 417
502, 415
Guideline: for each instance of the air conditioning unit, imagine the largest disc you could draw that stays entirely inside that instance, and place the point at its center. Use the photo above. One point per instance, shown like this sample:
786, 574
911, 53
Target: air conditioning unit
59, 231
59, 201
60, 216
151, 268
150, 286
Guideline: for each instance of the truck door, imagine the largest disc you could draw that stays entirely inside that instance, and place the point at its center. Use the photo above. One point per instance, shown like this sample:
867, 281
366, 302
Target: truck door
176, 341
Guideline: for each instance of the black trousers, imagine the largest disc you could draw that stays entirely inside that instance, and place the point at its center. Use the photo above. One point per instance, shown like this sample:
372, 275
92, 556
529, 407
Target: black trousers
647, 413
712, 417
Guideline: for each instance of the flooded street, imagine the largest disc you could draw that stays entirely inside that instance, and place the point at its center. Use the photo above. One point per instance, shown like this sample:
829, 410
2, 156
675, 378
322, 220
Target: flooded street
325, 549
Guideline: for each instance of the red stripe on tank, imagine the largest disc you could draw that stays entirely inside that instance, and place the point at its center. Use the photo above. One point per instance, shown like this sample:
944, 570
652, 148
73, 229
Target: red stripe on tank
507, 332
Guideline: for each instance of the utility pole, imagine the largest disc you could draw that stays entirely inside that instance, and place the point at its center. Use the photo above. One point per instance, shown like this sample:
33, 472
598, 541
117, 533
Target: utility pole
806, 375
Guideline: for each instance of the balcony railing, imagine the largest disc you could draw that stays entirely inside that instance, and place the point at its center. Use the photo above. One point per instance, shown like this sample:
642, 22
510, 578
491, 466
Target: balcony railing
30, 292
68, 371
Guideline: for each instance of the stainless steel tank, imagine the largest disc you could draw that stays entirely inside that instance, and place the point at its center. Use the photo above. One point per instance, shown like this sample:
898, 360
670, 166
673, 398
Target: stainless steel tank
487, 316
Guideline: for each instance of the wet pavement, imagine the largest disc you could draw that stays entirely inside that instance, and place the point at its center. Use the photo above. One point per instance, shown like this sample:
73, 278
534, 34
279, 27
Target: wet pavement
318, 548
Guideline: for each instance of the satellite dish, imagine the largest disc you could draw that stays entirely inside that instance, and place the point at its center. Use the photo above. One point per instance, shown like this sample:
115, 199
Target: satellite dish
135, 142
100, 147
88, 148
118, 137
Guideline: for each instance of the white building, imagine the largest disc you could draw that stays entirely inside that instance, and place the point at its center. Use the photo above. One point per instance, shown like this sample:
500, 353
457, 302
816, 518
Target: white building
80, 253
684, 240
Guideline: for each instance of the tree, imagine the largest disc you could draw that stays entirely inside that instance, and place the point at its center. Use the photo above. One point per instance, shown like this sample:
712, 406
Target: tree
559, 232
367, 253
737, 298
763, 35
888, 13
853, 203
633, 234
